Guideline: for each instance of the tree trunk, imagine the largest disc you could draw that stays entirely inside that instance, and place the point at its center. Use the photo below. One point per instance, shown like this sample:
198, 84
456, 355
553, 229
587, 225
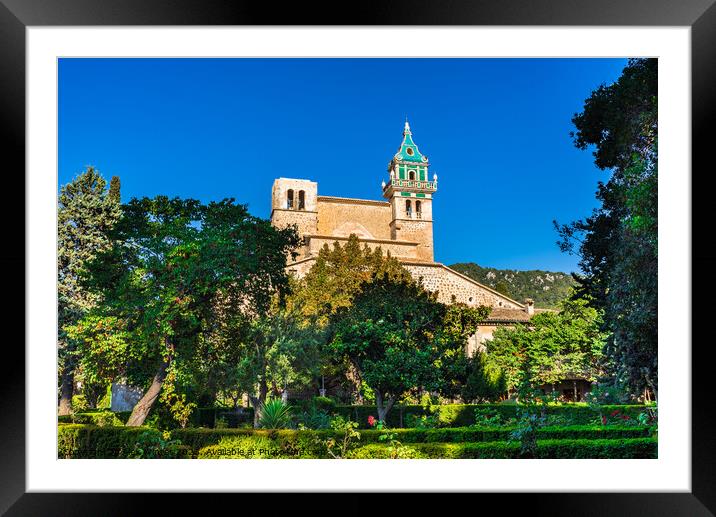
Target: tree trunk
142, 408
257, 402
383, 409
66, 390
354, 377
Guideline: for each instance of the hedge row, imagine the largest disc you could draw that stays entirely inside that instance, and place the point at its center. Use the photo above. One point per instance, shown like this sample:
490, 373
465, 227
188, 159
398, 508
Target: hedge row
88, 441
625, 448
462, 415
199, 438
93, 442
201, 417
449, 415
634, 448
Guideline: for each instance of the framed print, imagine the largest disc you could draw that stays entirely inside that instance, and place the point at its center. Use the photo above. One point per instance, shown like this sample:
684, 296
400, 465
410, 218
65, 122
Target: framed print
319, 245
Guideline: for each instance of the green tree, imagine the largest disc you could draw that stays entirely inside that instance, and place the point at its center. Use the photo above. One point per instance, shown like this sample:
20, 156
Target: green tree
170, 260
281, 351
85, 215
552, 346
114, 189
337, 275
456, 368
396, 337
332, 283
617, 244
484, 382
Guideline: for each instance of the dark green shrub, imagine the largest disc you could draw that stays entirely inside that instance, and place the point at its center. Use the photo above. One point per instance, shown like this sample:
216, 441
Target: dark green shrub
314, 418
154, 445
461, 415
89, 441
324, 404
196, 439
633, 448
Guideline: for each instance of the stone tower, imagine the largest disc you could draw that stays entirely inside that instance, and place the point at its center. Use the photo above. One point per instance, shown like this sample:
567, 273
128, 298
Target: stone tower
410, 193
295, 201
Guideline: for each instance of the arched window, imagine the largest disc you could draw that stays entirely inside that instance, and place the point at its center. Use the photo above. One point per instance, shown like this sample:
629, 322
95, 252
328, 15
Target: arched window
301, 200
411, 175
408, 208
289, 199
418, 210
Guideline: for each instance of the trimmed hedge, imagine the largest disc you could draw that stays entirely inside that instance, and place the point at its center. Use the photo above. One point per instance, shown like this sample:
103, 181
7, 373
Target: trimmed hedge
88, 441
93, 442
633, 448
462, 415
201, 417
197, 439
627, 448
449, 415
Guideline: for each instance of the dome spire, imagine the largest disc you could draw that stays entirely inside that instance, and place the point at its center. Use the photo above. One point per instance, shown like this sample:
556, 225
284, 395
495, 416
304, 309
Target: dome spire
408, 151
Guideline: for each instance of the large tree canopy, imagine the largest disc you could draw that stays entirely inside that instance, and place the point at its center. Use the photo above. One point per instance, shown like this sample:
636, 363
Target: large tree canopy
400, 338
337, 275
85, 215
617, 244
169, 261
554, 345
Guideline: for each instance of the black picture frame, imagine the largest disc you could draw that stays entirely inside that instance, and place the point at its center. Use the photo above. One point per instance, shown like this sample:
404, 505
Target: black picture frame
700, 15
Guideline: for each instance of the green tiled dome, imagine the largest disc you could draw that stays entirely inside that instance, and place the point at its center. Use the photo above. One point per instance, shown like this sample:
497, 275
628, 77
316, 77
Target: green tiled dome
408, 151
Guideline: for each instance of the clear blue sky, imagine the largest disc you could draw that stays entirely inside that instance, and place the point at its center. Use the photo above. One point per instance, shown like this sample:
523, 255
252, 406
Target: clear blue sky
496, 132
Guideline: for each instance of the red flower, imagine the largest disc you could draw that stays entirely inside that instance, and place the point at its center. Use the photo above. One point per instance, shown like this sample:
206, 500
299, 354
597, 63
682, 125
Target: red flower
371, 421
604, 420
615, 412
625, 417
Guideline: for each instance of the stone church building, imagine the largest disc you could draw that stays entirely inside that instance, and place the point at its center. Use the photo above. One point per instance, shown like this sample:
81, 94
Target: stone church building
401, 224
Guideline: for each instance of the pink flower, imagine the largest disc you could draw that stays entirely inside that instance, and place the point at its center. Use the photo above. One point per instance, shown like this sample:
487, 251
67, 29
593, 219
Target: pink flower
371, 421
604, 420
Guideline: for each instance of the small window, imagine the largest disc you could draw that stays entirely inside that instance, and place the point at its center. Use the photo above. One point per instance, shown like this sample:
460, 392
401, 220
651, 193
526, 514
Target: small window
408, 208
418, 209
411, 175
301, 200
409, 150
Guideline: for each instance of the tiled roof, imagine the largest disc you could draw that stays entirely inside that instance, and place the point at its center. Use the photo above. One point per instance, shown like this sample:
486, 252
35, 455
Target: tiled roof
508, 315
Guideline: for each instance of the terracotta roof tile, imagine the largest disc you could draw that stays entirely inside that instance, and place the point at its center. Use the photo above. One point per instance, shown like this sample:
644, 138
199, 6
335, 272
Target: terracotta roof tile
502, 314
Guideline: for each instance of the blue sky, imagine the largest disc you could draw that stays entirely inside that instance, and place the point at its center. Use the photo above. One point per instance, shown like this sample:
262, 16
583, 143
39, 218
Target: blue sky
496, 132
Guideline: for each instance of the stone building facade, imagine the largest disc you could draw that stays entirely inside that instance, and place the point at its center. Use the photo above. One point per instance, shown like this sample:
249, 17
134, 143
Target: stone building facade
401, 224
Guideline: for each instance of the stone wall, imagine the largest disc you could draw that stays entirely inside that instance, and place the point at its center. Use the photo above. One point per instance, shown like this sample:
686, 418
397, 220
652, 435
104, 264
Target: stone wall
124, 397
449, 283
415, 230
341, 217
406, 250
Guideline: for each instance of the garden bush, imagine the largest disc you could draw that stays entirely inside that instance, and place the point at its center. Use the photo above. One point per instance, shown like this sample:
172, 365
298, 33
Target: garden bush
628, 448
633, 448
199, 438
88, 441
461, 415
94, 442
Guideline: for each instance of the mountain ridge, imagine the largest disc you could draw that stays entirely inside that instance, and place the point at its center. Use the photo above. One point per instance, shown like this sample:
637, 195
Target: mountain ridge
546, 288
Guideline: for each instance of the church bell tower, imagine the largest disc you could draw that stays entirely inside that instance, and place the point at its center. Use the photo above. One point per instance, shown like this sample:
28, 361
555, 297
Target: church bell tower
410, 193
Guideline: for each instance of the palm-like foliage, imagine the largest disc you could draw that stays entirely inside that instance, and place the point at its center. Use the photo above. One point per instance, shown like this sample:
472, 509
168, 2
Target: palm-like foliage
275, 414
